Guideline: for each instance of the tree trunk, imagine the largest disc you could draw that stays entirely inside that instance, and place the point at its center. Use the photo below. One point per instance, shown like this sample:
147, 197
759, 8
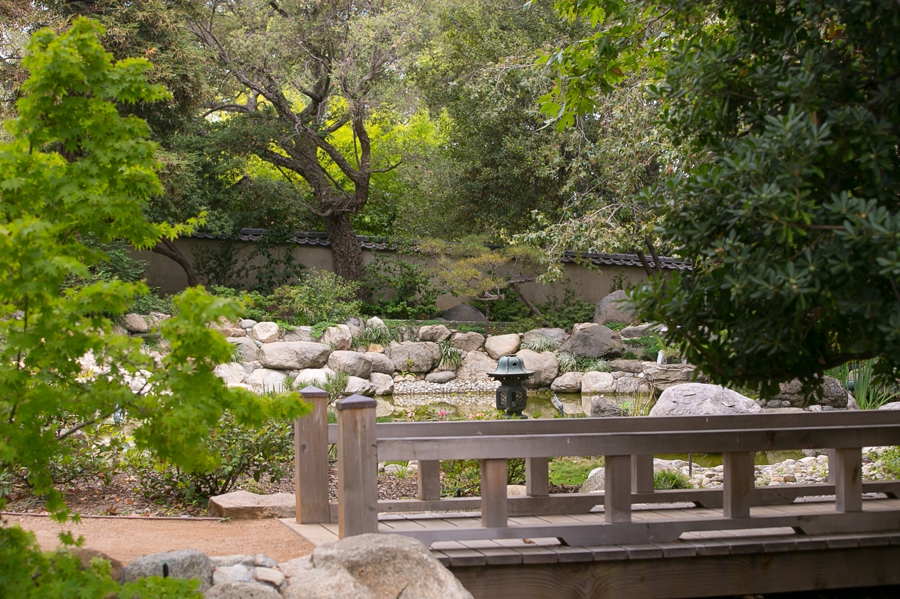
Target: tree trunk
345, 249
165, 247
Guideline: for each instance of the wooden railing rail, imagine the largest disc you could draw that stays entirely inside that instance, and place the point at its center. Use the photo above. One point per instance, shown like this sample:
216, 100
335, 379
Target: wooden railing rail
628, 445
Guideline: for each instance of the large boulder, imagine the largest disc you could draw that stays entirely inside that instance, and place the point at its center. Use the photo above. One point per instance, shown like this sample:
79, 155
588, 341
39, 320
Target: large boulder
632, 366
441, 377
245, 347
380, 362
614, 308
663, 376
636, 331
464, 313
263, 380
475, 367
265, 332
356, 325
184, 563
294, 355
371, 566
596, 481
833, 394
699, 399
317, 377
557, 335
598, 382
501, 345
594, 342
411, 356
298, 334
569, 382
135, 323
544, 365
467, 341
383, 384
243, 505
338, 337
434, 332
358, 386
232, 373
351, 362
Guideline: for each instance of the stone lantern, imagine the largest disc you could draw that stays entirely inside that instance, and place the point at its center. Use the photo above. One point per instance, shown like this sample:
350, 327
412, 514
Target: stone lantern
511, 395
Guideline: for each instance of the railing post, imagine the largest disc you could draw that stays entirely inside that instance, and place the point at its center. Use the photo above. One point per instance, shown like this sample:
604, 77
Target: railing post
829, 474
617, 483
847, 468
428, 477
537, 477
493, 494
642, 474
311, 460
739, 481
357, 466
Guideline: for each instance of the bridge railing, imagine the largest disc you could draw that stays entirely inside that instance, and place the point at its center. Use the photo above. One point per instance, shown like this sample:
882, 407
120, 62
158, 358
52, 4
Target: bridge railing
627, 444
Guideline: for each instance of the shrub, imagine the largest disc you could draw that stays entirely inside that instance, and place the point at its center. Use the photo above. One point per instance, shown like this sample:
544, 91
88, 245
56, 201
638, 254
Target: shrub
451, 357
541, 344
399, 289
670, 479
462, 478
318, 296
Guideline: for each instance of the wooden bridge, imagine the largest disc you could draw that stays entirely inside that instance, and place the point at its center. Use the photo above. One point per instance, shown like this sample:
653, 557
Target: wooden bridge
631, 540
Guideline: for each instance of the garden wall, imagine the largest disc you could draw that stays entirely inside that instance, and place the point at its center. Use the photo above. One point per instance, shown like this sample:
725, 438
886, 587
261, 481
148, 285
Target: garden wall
589, 285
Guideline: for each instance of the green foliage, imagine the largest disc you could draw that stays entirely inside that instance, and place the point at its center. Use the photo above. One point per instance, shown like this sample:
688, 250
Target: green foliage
870, 390
451, 357
569, 363
648, 346
269, 263
319, 296
573, 470
245, 451
28, 573
792, 224
462, 478
399, 288
77, 168
151, 302
619, 283
335, 384
541, 344
380, 335
670, 479
640, 405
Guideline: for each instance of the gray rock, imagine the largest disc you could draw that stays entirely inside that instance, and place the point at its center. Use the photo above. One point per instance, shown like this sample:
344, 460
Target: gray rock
232, 373
135, 323
390, 566
380, 362
259, 560
598, 382
434, 332
241, 590
497, 346
554, 334
315, 377
359, 386
382, 384
410, 356
699, 399
265, 332
307, 582
851, 403
338, 337
269, 576
294, 355
475, 367
614, 308
605, 408
247, 323
356, 325
264, 379
636, 331
298, 334
464, 313
467, 341
234, 573
376, 323
594, 342
596, 481
223, 561
243, 505
544, 365
444, 376
833, 394
890, 406
184, 563
663, 376
351, 362
631, 384
633, 366
245, 346
569, 382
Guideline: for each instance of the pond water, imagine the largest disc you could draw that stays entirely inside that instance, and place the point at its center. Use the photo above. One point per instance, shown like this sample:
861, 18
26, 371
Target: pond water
575, 405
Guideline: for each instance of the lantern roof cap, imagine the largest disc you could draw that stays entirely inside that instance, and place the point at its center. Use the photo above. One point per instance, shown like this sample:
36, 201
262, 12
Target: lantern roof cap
510, 366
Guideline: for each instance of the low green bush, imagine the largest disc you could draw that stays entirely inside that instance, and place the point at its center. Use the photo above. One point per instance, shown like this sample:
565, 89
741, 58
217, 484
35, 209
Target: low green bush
670, 479
462, 478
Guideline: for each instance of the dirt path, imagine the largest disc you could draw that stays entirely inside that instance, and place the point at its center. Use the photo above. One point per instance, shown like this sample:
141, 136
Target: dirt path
128, 538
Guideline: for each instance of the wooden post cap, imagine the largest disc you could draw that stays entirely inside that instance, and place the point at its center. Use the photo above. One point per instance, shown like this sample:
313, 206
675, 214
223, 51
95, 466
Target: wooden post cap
356, 402
315, 391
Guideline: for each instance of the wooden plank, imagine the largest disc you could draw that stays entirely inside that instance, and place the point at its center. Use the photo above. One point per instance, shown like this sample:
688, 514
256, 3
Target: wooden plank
358, 466
847, 468
311, 460
739, 477
717, 441
493, 493
428, 477
465, 557
537, 477
617, 504
642, 473
501, 556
